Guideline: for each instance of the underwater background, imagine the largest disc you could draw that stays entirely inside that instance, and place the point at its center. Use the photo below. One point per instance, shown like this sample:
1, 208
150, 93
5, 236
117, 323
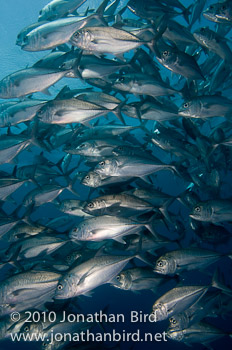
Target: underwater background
17, 14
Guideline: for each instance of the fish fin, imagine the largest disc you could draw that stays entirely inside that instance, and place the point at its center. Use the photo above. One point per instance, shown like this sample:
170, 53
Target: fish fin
100, 10
46, 92
61, 93
219, 284
88, 294
119, 240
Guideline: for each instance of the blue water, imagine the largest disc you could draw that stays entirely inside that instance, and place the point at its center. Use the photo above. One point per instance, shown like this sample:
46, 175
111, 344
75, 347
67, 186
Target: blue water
14, 15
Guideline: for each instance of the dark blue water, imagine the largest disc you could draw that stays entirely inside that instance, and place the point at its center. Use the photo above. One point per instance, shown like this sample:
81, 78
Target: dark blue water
14, 15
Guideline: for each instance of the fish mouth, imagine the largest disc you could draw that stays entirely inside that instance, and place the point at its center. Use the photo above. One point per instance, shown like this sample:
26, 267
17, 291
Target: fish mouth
183, 112
209, 16
57, 296
157, 270
193, 216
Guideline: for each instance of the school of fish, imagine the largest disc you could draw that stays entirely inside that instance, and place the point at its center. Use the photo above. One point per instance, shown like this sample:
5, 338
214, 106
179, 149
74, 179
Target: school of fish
125, 181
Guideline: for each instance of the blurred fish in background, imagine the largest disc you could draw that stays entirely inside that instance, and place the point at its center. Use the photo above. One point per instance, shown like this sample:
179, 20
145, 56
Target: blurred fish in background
115, 169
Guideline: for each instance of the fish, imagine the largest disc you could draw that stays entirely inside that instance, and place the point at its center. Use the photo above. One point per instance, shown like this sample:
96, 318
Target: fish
138, 278
29, 80
176, 300
58, 8
89, 275
214, 42
117, 204
106, 227
141, 84
179, 62
26, 287
214, 211
133, 166
219, 12
206, 107
20, 112
186, 259
70, 111
84, 196
105, 40
202, 333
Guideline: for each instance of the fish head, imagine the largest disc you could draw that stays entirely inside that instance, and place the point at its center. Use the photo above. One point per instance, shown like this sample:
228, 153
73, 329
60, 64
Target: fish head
210, 12
123, 83
159, 312
46, 345
5, 87
219, 12
178, 322
224, 13
124, 280
32, 328
107, 167
92, 179
167, 56
85, 148
72, 257
65, 288
94, 205
202, 35
44, 114
19, 39
175, 335
185, 109
48, 13
82, 38
26, 42
190, 109
164, 266
201, 212
81, 232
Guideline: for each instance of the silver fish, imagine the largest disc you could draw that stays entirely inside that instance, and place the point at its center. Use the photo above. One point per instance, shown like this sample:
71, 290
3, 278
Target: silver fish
176, 300
28, 81
59, 8
214, 211
89, 275
105, 40
185, 259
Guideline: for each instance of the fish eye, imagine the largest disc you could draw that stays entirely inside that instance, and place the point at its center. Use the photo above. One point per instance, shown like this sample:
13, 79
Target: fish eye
160, 264
40, 112
76, 35
121, 79
172, 320
197, 209
87, 177
186, 105
118, 277
102, 163
60, 286
211, 7
82, 145
165, 53
90, 205
120, 148
26, 329
75, 229
202, 30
